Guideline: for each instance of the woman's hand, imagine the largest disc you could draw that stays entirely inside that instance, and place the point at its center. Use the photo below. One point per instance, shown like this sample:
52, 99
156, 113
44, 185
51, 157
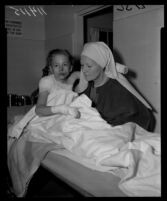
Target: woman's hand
74, 112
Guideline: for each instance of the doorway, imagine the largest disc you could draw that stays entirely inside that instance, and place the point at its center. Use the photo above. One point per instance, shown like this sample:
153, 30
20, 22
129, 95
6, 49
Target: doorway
82, 17
98, 26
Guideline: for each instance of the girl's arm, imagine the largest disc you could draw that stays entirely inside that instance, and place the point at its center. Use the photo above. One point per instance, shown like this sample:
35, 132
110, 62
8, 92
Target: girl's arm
43, 110
73, 77
44, 89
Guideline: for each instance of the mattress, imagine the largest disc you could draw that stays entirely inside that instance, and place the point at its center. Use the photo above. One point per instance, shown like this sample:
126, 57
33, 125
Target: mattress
86, 180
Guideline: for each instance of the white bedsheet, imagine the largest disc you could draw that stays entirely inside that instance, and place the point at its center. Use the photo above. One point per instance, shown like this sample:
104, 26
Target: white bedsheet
128, 150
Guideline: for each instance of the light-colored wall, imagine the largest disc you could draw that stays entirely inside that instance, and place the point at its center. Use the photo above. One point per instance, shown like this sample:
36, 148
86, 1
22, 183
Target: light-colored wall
136, 39
59, 26
26, 54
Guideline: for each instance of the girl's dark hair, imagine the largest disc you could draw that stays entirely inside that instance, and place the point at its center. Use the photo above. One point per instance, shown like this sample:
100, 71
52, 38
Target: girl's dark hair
50, 56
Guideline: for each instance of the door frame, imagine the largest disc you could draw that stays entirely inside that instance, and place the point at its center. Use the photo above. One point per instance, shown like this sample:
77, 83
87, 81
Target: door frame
78, 35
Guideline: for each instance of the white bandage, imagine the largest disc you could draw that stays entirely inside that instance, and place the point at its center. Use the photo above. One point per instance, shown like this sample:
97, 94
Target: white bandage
63, 109
53, 109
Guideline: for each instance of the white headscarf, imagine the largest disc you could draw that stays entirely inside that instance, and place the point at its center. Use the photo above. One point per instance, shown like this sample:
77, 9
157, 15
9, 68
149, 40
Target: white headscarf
102, 55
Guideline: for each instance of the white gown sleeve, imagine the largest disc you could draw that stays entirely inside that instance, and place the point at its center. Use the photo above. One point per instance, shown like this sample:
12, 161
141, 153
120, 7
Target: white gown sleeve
45, 84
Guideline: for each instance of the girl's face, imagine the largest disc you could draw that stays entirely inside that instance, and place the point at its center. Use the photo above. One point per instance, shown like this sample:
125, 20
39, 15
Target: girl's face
60, 66
91, 70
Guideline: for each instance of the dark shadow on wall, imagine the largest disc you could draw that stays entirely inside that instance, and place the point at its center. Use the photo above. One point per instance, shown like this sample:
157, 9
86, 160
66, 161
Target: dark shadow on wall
133, 75
76, 64
130, 75
76, 67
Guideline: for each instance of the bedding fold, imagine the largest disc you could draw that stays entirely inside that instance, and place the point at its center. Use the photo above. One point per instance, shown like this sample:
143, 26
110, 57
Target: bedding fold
126, 150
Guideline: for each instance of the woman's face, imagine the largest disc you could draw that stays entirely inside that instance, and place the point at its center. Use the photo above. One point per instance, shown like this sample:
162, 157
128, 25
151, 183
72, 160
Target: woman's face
60, 66
91, 70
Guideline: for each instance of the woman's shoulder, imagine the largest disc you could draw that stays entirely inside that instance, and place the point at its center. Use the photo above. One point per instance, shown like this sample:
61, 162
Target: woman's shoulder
115, 85
117, 96
114, 89
110, 84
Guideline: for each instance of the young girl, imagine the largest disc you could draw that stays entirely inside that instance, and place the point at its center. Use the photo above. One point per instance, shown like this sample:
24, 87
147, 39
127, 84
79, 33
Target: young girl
60, 64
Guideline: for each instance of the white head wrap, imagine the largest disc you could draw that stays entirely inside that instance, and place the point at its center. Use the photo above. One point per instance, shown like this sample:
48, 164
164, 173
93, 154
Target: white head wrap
102, 55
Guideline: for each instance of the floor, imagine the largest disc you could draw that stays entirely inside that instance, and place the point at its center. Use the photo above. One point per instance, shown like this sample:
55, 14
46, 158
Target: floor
44, 184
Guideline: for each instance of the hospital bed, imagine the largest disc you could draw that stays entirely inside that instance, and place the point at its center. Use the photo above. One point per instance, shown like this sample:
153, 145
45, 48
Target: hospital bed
88, 182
